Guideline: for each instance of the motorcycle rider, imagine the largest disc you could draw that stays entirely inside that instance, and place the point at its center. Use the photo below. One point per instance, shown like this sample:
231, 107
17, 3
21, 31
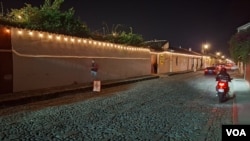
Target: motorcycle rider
223, 75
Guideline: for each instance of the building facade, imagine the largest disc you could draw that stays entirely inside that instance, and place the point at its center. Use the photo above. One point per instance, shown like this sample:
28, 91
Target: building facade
32, 60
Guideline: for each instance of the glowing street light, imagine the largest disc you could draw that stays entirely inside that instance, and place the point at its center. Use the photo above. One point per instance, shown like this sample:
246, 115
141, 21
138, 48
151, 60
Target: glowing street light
218, 53
205, 48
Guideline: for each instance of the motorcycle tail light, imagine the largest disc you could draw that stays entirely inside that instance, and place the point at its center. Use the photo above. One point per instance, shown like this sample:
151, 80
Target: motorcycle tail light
221, 84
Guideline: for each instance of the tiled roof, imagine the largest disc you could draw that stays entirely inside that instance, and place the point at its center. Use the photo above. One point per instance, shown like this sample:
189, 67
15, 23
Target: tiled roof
158, 46
244, 27
155, 45
183, 51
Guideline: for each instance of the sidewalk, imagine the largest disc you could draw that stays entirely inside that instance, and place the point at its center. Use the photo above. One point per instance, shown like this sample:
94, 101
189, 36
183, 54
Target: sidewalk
241, 103
20, 98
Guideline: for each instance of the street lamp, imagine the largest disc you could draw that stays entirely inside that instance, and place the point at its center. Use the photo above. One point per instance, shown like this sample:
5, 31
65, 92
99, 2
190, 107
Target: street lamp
205, 48
218, 53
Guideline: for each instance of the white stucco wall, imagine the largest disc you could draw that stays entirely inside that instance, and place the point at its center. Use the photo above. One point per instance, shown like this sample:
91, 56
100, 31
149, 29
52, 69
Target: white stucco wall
43, 60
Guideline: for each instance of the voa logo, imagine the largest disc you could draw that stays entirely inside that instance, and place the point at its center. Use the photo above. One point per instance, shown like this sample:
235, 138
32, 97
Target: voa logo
236, 132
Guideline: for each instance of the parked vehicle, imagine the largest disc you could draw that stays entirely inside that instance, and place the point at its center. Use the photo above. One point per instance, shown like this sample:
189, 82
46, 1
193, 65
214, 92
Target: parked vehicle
210, 70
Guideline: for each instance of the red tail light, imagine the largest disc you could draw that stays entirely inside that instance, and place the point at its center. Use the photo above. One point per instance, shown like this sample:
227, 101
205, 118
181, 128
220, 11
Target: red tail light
221, 84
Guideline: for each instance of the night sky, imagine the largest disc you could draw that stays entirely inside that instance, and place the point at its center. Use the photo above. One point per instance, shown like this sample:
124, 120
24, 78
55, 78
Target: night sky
185, 23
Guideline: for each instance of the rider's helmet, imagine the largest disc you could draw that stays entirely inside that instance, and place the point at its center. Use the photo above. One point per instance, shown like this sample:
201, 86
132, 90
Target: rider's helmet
223, 70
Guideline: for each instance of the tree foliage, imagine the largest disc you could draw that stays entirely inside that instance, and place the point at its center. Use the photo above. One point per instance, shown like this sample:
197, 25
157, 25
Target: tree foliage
49, 17
22, 16
130, 38
123, 35
240, 46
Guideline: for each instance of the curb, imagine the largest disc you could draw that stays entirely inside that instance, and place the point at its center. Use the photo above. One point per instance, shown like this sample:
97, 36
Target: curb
235, 112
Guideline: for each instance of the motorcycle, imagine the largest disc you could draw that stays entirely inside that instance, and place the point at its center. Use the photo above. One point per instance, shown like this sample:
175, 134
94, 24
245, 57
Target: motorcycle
222, 88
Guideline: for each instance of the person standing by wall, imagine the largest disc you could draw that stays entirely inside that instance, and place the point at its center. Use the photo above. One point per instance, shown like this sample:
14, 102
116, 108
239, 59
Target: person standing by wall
94, 69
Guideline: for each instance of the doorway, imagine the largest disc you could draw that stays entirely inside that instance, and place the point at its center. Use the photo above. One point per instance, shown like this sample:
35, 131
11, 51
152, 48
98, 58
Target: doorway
154, 64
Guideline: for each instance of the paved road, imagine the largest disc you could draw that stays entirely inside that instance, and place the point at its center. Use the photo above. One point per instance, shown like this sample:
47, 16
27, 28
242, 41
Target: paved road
179, 107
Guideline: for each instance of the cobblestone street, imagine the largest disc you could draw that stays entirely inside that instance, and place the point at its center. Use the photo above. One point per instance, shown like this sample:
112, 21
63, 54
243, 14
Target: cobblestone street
180, 107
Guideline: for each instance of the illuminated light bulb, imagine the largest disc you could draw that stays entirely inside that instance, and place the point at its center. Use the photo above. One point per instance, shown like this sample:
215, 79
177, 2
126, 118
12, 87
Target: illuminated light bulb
40, 35
20, 32
111, 45
50, 36
85, 41
30, 33
58, 37
7, 30
94, 42
65, 39
79, 40
104, 44
90, 42
99, 43
72, 40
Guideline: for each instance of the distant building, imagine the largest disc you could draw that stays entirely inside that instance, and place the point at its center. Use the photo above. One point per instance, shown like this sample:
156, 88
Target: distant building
243, 27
